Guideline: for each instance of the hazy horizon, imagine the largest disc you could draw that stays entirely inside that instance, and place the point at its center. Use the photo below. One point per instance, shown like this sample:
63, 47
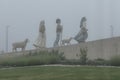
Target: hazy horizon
24, 16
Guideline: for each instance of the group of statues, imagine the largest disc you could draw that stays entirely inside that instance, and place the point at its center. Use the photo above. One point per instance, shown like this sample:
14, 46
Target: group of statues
41, 39
80, 37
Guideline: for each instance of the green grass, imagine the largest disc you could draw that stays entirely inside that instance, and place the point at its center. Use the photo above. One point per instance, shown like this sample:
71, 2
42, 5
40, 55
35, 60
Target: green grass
39, 58
60, 73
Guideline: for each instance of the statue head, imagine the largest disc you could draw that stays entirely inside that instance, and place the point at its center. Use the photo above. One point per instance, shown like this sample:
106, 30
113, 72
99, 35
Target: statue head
58, 21
83, 22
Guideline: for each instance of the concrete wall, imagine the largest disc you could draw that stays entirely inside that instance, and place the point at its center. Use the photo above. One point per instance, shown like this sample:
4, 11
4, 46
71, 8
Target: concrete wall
105, 49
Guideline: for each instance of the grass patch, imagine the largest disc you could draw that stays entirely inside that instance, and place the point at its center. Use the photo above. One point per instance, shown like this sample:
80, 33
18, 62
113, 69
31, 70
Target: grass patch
37, 58
115, 60
60, 73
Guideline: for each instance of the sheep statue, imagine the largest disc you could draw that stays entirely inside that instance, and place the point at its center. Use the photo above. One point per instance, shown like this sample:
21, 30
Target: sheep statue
21, 45
66, 41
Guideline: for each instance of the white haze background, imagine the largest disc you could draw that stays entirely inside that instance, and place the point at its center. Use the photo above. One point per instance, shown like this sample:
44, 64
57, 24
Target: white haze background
24, 16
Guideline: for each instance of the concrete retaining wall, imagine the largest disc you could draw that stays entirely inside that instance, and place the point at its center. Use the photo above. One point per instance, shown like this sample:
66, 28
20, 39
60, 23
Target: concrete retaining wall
105, 49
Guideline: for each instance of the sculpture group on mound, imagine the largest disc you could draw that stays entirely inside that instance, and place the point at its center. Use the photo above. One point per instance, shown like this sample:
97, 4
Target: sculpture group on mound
41, 39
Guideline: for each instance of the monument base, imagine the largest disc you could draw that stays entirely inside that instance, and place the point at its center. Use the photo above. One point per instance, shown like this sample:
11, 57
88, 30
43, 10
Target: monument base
103, 49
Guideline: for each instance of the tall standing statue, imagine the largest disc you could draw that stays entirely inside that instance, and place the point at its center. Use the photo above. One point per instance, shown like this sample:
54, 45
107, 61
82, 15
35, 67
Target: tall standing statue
59, 30
41, 40
82, 34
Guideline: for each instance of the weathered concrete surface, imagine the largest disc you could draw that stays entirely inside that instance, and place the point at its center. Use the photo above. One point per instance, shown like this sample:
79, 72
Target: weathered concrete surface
104, 48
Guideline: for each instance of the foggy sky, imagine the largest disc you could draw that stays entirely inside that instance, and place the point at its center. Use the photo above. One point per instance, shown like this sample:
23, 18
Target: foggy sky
24, 16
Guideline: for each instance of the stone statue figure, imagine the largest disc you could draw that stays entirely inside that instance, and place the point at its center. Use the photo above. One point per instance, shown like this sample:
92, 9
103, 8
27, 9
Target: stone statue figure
41, 40
59, 30
82, 34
